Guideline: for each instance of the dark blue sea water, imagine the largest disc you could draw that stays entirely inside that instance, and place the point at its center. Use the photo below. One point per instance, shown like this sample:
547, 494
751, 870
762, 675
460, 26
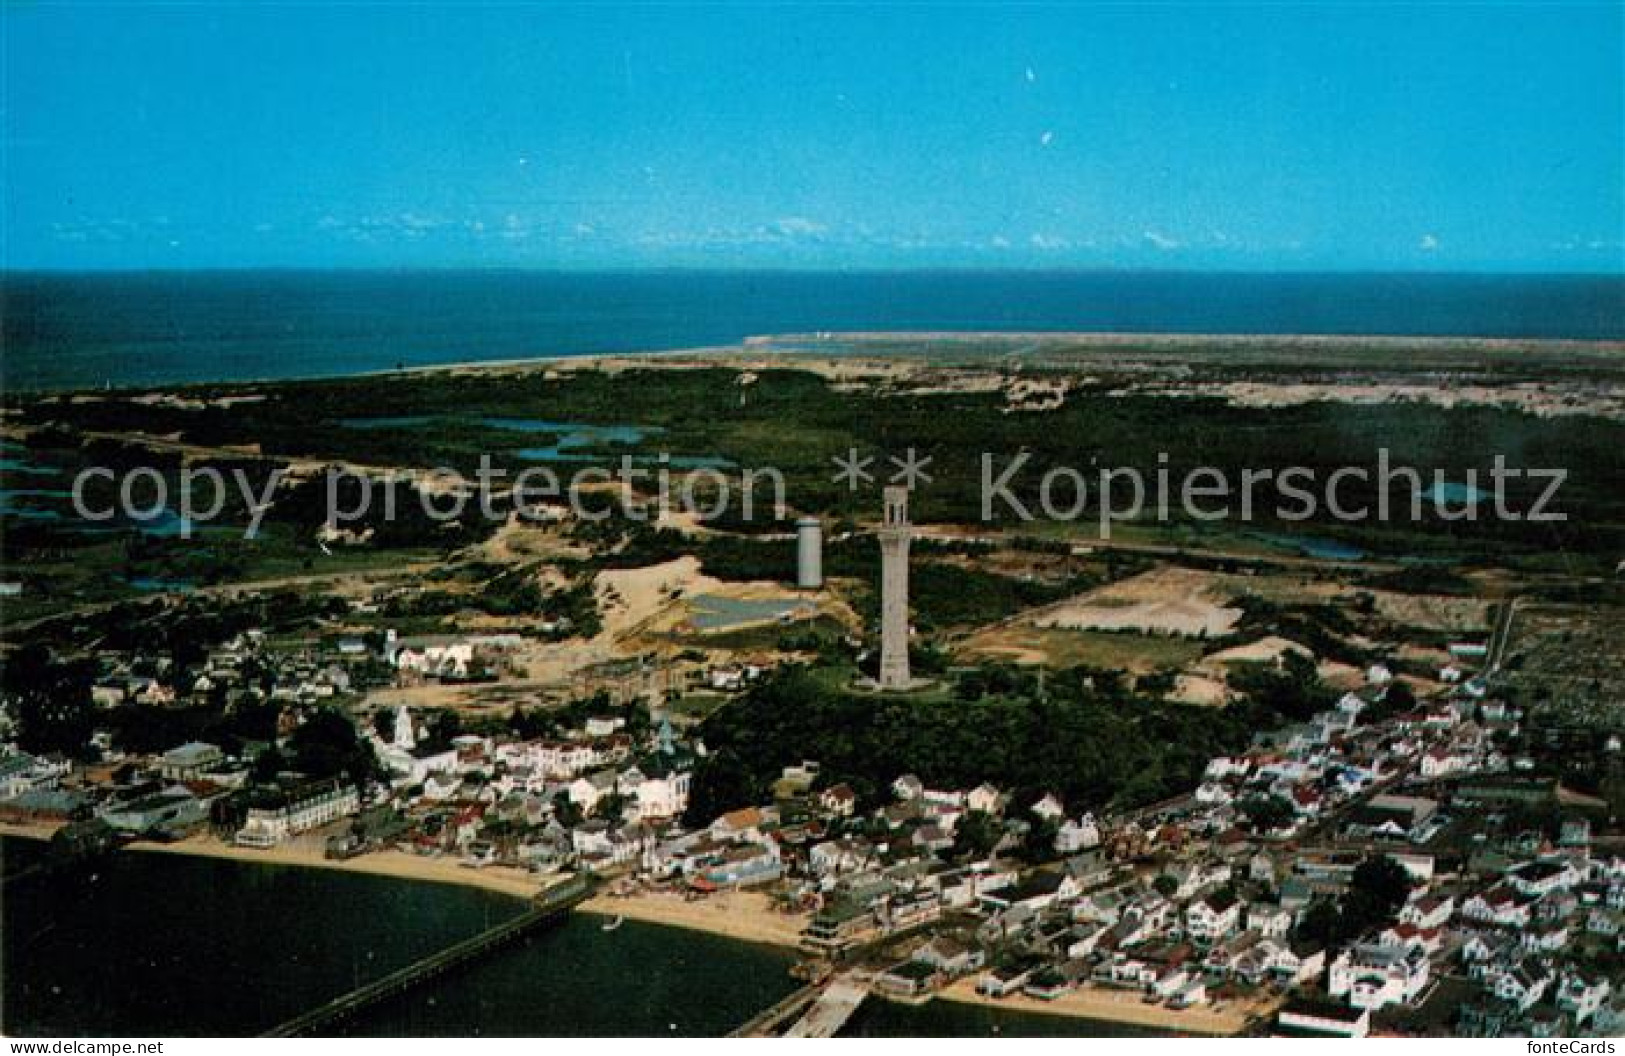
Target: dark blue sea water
78, 331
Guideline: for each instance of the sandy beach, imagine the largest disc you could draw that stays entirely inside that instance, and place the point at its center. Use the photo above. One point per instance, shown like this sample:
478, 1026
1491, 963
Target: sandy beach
1118, 1006
397, 864
500, 879
744, 915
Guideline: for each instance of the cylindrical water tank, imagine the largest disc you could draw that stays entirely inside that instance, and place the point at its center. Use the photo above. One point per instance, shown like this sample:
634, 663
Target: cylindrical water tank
809, 553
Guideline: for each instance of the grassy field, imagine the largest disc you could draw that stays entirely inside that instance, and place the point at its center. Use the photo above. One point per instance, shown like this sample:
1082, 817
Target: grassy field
1137, 653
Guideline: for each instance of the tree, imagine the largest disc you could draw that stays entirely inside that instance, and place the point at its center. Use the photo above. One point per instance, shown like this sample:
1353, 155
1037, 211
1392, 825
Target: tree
1267, 813
444, 726
1321, 923
267, 765
1397, 699
1377, 888
1293, 691
1087, 738
977, 834
54, 709
326, 745
721, 783
610, 807
1038, 846
566, 811
1158, 683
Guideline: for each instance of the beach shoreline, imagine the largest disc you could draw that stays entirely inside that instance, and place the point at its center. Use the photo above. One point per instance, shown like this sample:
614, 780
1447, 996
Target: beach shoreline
877, 345
1115, 1006
393, 864
742, 916
880, 345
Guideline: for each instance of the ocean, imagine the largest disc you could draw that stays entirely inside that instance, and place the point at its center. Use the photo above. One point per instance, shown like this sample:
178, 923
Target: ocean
65, 331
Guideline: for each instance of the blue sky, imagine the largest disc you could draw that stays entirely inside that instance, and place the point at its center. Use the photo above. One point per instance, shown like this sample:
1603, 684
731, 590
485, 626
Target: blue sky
1446, 137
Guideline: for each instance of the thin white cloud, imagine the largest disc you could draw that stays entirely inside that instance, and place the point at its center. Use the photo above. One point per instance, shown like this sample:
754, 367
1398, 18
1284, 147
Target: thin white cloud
799, 227
1429, 243
1161, 241
1048, 243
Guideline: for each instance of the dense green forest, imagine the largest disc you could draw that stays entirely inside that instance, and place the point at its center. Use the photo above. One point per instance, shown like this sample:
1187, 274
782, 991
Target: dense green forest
1082, 734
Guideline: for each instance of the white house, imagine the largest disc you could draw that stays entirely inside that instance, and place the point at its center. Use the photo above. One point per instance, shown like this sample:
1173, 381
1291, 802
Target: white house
298, 812
603, 726
1049, 808
1542, 878
1499, 905
415, 766
1372, 976
1443, 762
21, 772
983, 797
663, 797
586, 792
189, 760
1224, 766
1269, 920
1522, 984
1210, 919
1429, 911
1075, 836
1583, 998
838, 800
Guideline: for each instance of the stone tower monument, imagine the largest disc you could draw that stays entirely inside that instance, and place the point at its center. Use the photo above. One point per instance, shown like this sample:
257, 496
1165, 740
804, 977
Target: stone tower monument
809, 553
895, 532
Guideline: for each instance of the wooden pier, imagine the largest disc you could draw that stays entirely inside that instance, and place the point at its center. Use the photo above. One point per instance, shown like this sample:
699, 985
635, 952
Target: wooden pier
766, 1023
818, 1010
830, 1012
549, 907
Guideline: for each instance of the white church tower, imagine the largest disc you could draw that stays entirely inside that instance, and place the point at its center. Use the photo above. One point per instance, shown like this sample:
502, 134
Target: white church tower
405, 739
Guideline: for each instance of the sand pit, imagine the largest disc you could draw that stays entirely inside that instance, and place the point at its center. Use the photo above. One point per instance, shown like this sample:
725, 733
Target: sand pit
678, 598
1268, 650
630, 598
1021, 643
1165, 601
1433, 611
1201, 691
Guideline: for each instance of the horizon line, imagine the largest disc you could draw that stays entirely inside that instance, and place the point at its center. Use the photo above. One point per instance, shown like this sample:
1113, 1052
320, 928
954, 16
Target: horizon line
786, 269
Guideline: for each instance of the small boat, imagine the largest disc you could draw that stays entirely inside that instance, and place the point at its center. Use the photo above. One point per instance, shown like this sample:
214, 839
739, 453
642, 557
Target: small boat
611, 925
